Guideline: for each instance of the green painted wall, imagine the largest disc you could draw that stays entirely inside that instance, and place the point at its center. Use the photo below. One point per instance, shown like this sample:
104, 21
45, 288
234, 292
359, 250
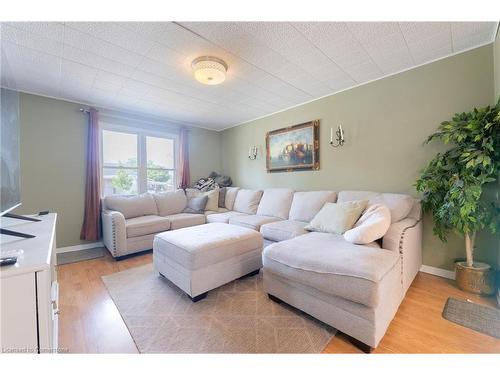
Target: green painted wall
385, 123
496, 59
53, 139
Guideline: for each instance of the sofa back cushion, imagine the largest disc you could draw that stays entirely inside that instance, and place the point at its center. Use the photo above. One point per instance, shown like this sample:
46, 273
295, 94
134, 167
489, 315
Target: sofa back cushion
132, 206
400, 205
306, 204
171, 202
371, 226
231, 193
337, 218
276, 202
247, 201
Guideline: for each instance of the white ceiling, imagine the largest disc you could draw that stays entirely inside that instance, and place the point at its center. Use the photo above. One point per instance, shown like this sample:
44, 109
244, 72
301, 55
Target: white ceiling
144, 67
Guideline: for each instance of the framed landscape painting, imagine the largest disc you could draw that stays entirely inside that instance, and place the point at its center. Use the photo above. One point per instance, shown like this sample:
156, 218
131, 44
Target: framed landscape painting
293, 148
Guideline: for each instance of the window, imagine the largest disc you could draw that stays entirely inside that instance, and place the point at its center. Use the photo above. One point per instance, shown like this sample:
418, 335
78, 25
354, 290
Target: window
160, 164
137, 162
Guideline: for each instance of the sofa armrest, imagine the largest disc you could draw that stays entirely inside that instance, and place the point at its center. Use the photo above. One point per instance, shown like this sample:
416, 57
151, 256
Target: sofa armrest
114, 232
405, 237
393, 239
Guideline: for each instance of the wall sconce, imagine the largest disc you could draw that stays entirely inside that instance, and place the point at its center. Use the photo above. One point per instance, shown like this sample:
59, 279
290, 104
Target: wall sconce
340, 137
252, 153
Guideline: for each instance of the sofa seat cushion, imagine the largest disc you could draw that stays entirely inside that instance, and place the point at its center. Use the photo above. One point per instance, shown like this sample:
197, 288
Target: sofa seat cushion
329, 263
143, 225
220, 210
223, 217
185, 220
204, 245
283, 230
252, 221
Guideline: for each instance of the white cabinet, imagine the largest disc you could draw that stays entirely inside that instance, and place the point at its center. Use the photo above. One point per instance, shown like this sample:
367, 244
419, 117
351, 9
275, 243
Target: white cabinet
29, 289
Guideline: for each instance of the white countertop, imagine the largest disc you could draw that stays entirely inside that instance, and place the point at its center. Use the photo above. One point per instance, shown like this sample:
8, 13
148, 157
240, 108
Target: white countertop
37, 252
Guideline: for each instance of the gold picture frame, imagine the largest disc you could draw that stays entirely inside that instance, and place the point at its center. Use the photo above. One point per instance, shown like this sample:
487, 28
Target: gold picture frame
294, 148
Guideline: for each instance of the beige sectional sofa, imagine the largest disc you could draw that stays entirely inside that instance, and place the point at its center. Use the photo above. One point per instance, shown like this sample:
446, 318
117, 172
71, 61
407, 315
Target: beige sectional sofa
354, 288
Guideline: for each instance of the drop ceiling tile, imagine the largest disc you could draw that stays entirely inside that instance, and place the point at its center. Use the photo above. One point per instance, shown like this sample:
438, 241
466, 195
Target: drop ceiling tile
111, 78
363, 72
78, 72
416, 32
424, 55
396, 60
132, 87
107, 87
166, 55
28, 63
100, 47
50, 30
114, 34
466, 29
22, 37
90, 59
471, 41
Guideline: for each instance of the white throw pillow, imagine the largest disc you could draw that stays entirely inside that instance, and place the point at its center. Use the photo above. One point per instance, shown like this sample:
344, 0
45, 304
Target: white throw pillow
372, 225
212, 195
247, 201
337, 217
170, 202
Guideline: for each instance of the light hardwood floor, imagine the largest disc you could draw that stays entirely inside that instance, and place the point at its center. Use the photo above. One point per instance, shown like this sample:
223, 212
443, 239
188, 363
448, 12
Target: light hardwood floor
89, 321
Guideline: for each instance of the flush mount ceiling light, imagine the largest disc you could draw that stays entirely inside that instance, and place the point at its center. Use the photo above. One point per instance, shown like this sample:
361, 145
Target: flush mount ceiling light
209, 70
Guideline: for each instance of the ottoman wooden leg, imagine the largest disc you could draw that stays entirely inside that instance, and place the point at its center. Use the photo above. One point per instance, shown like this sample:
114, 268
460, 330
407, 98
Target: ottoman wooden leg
199, 297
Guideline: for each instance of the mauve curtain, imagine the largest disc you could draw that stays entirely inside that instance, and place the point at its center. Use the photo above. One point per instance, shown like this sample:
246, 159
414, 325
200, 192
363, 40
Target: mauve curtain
184, 178
91, 228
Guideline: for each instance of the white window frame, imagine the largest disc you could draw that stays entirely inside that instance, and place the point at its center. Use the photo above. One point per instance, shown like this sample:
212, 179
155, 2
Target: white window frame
142, 168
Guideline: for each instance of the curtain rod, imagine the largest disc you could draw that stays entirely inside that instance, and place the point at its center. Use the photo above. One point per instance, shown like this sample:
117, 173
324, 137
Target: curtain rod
83, 110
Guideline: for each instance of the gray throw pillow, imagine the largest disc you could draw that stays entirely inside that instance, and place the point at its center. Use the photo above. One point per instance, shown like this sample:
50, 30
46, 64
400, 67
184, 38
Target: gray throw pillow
222, 197
196, 205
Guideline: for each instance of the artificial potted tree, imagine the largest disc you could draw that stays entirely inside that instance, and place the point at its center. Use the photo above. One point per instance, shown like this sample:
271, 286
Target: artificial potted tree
452, 187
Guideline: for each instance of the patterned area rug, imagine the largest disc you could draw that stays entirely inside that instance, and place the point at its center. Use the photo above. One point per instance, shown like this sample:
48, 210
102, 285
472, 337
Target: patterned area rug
235, 318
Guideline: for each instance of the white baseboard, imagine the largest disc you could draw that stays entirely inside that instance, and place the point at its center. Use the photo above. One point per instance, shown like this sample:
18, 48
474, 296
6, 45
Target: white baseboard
438, 272
83, 246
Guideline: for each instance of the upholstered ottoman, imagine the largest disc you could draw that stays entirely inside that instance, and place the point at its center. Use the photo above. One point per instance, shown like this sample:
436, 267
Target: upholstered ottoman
200, 258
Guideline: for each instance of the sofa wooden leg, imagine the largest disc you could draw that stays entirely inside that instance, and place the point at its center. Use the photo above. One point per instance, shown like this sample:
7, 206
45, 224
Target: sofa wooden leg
253, 273
199, 297
274, 299
360, 345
